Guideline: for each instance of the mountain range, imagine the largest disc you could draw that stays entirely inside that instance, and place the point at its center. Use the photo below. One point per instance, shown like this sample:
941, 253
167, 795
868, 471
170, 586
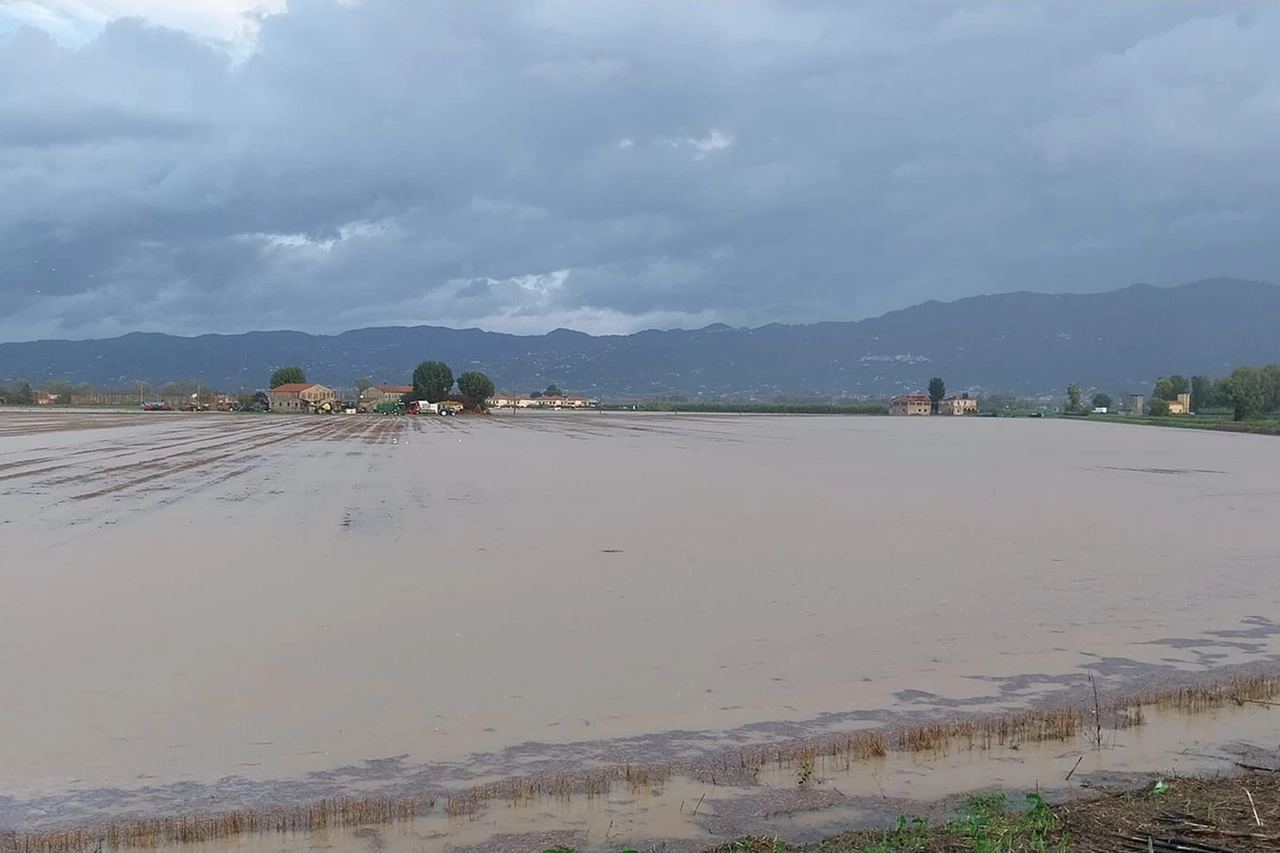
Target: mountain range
1021, 342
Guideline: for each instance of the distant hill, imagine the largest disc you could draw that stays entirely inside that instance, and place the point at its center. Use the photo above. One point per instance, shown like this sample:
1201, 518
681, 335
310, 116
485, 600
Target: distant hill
1024, 342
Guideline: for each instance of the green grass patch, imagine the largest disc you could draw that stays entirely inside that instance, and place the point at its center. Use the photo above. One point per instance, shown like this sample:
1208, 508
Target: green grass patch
1219, 423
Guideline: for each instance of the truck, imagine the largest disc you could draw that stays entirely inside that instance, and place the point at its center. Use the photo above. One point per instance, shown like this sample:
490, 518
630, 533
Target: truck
422, 407
390, 408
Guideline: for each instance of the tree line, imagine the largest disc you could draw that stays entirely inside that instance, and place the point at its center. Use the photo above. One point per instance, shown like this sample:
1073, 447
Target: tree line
1247, 392
433, 381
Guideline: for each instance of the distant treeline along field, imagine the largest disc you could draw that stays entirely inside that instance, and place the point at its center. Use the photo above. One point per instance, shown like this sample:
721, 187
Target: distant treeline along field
1248, 393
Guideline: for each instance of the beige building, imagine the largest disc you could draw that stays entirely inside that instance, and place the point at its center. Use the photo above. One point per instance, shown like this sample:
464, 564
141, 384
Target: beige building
957, 406
521, 401
298, 396
509, 401
375, 394
910, 404
570, 401
1181, 405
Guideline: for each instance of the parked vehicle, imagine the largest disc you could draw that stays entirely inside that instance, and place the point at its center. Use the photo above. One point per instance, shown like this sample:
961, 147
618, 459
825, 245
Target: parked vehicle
390, 409
156, 406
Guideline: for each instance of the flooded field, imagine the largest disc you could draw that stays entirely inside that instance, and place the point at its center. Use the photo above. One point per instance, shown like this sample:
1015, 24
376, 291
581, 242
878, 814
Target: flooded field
206, 614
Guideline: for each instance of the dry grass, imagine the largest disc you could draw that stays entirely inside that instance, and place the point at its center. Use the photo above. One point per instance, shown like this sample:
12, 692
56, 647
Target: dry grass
168, 831
844, 751
1180, 815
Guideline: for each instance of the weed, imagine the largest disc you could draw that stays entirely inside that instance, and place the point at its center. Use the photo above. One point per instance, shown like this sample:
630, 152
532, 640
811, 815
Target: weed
804, 772
987, 826
908, 834
986, 805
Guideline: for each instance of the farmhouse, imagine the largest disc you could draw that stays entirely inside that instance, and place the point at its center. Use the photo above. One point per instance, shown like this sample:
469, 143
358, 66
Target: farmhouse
521, 401
1181, 405
298, 396
910, 404
957, 406
375, 394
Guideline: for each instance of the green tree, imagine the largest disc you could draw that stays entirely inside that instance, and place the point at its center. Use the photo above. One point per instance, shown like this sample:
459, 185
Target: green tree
553, 390
432, 381
1102, 401
363, 384
476, 385
1248, 392
997, 402
1271, 387
287, 375
1169, 387
1073, 397
1159, 407
937, 391
19, 394
1220, 396
1201, 393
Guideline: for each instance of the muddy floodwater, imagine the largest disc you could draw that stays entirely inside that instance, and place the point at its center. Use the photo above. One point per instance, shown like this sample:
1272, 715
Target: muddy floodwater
204, 612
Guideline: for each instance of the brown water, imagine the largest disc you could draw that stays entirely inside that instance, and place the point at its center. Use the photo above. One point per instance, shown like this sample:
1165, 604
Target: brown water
283, 601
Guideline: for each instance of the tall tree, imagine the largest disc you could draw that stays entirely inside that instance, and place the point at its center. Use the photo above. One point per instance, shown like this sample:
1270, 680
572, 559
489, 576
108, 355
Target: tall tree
19, 394
1220, 397
287, 375
1271, 387
1073, 397
1159, 407
1201, 393
476, 385
1248, 393
432, 381
553, 390
1102, 400
937, 391
1169, 387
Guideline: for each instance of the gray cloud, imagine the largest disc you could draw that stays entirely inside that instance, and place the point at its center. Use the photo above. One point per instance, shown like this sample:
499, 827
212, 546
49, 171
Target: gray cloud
522, 166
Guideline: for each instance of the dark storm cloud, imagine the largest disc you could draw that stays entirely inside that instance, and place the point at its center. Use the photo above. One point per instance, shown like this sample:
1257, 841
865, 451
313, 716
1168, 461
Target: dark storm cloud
612, 166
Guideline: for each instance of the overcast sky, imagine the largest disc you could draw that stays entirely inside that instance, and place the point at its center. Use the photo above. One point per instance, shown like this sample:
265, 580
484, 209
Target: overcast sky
609, 166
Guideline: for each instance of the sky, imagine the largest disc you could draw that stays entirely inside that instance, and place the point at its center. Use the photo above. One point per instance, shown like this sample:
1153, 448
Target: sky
522, 165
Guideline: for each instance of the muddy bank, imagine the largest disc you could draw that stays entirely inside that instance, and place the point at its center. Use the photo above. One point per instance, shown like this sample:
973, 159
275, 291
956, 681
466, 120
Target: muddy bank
1238, 812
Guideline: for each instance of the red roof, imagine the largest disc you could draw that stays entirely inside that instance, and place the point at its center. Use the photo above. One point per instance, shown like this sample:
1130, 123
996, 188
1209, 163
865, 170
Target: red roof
292, 387
394, 389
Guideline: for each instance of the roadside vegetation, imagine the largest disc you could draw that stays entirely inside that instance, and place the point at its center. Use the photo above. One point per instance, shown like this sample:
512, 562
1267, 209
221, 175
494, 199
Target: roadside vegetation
1240, 814
779, 405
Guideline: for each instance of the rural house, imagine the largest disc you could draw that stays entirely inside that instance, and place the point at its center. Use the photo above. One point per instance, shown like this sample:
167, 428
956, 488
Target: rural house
1180, 405
521, 401
957, 406
910, 404
298, 396
375, 394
